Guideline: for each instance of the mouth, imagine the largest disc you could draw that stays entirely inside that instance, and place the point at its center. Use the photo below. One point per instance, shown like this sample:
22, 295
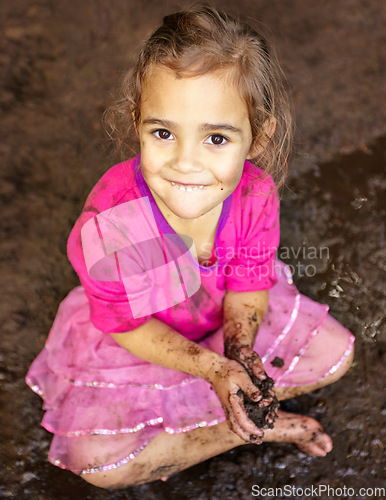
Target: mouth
187, 187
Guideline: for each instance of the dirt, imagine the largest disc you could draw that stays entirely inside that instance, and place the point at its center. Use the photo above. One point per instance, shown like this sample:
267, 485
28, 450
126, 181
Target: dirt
59, 64
278, 362
257, 413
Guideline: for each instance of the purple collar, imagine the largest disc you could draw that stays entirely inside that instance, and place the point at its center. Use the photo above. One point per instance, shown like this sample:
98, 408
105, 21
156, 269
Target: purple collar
160, 219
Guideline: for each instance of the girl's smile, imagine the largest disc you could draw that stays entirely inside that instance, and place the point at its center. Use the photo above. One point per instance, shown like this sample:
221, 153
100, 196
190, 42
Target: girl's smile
195, 135
187, 187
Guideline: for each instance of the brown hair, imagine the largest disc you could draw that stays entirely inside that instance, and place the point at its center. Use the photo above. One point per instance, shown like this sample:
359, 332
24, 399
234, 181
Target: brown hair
200, 41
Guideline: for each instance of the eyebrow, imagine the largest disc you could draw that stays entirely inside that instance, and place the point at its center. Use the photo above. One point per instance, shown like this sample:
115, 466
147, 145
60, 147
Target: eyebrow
205, 126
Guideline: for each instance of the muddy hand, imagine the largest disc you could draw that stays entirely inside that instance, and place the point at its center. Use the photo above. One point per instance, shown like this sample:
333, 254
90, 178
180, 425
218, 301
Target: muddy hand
229, 382
251, 361
247, 357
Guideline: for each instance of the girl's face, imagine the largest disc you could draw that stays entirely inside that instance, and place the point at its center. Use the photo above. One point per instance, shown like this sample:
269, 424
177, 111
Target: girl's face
194, 135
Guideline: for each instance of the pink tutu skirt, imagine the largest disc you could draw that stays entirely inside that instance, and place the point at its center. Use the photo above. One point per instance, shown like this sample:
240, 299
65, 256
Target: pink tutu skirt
93, 389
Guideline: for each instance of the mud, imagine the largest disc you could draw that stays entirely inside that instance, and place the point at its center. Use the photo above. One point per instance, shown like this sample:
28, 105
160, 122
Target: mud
59, 63
262, 416
278, 362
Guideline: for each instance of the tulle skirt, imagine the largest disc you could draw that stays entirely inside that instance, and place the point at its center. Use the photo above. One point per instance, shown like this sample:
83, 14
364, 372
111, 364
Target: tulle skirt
94, 389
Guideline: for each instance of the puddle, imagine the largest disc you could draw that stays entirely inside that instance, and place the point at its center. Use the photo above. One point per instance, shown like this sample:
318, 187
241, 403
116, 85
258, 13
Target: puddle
342, 257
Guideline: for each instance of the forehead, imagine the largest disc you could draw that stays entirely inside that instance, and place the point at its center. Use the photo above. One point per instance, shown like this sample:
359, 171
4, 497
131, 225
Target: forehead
207, 98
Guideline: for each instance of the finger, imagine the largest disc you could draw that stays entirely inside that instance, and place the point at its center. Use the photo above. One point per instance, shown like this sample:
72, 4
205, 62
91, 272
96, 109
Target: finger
248, 435
265, 402
244, 363
244, 382
242, 419
245, 357
272, 414
270, 417
258, 369
251, 391
242, 433
237, 428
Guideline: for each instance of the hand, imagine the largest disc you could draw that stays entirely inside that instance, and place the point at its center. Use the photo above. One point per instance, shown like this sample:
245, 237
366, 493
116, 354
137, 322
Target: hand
252, 363
247, 357
227, 380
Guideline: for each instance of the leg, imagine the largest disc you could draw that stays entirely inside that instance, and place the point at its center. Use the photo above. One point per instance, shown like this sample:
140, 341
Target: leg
167, 454
332, 339
291, 392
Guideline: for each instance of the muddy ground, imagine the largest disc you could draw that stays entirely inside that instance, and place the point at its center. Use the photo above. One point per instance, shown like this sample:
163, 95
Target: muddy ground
59, 65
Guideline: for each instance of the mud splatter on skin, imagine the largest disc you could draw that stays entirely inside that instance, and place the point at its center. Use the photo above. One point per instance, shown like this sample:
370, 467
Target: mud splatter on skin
242, 326
164, 470
194, 350
315, 435
234, 349
253, 317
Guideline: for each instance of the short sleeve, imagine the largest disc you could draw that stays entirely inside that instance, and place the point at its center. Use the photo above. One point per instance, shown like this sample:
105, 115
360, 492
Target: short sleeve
110, 308
253, 266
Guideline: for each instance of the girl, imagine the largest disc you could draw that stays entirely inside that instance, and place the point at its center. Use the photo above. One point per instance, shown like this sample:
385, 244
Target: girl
144, 369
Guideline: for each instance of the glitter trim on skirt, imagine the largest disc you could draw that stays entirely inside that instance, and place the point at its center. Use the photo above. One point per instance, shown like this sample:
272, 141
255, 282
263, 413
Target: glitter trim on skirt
95, 390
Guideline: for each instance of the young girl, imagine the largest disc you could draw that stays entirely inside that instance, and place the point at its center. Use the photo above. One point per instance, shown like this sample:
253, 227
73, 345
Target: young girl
143, 369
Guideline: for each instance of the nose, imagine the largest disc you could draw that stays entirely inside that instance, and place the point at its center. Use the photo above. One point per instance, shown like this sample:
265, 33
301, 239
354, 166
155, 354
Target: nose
186, 158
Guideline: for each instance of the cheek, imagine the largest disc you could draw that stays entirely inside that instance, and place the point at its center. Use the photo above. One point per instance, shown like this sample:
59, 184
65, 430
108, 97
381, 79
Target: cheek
230, 174
147, 161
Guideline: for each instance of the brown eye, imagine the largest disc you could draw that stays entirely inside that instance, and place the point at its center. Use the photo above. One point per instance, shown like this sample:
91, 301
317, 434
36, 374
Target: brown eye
163, 134
217, 140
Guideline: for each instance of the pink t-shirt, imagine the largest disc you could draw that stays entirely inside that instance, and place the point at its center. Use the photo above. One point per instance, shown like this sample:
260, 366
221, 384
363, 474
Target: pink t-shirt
242, 259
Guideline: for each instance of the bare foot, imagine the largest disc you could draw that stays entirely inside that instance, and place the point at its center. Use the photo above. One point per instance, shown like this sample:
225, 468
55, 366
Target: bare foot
303, 431
319, 445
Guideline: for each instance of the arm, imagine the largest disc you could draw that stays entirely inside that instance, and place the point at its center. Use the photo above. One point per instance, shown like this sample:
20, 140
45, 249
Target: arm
157, 343
243, 314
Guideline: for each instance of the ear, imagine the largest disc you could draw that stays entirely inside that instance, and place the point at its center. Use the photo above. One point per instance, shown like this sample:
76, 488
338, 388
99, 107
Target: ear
261, 142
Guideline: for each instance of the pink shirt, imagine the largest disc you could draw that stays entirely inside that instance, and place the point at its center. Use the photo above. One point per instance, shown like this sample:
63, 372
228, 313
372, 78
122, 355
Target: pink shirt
243, 257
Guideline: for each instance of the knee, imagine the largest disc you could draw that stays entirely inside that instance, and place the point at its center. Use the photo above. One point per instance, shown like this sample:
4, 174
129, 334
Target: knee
350, 357
348, 360
94, 450
345, 366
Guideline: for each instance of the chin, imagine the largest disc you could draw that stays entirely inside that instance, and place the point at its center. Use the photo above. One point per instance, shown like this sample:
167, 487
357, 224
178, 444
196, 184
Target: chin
188, 213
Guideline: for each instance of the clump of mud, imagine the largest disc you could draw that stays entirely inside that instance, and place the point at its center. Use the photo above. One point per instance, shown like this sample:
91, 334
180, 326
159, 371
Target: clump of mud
262, 416
277, 362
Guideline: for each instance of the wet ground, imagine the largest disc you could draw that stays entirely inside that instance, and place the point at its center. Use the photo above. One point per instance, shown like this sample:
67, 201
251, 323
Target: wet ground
59, 63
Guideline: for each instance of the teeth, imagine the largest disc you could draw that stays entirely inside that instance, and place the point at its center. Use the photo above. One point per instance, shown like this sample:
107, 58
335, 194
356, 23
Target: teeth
186, 188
